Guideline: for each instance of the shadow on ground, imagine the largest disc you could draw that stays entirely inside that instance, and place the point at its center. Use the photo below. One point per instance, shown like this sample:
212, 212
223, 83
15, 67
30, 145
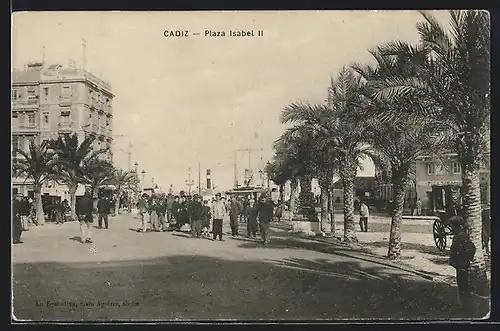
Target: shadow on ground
203, 287
427, 249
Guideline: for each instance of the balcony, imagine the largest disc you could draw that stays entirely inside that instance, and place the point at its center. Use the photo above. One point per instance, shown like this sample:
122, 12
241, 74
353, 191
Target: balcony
65, 127
65, 100
26, 128
96, 105
25, 103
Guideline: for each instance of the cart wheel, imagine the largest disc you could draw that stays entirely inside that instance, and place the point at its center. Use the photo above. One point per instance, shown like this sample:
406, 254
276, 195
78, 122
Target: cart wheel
439, 233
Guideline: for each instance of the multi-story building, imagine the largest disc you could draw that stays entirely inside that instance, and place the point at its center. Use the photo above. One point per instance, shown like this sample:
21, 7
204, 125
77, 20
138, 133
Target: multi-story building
48, 100
438, 180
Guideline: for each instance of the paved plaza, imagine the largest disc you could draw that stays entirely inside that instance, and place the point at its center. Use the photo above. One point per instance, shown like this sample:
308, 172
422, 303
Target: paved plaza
125, 275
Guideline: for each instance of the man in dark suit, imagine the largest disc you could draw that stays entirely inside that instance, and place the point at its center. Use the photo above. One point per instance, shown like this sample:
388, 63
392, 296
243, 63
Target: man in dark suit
103, 209
265, 215
85, 210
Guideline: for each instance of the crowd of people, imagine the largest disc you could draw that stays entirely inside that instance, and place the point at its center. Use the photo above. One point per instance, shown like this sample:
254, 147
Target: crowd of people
204, 217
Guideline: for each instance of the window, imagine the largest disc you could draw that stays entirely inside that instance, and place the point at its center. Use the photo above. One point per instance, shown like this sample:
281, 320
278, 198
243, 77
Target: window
15, 143
21, 119
456, 168
431, 168
439, 169
31, 119
46, 117
66, 91
46, 91
107, 123
15, 95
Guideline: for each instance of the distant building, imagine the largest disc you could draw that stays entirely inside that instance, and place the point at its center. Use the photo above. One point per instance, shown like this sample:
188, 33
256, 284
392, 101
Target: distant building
438, 180
48, 100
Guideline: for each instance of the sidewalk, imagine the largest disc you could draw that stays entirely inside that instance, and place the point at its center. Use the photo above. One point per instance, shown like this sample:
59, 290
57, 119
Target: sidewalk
418, 250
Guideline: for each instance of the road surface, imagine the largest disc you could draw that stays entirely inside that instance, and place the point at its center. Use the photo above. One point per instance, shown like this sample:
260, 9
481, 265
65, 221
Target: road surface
127, 275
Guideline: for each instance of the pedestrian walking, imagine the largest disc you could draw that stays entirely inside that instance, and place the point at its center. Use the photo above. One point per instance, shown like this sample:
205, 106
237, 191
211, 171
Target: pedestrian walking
206, 217
85, 210
364, 213
153, 216
161, 210
17, 226
252, 222
169, 203
25, 213
196, 214
103, 209
419, 207
218, 214
265, 215
462, 252
234, 212
175, 212
142, 206
279, 210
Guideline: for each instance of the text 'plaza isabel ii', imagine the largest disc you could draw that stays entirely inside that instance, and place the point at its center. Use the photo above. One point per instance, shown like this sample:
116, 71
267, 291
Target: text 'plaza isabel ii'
48, 100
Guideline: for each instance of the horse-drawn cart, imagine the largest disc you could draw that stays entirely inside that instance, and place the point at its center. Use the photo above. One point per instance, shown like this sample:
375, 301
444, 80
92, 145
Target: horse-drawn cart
442, 229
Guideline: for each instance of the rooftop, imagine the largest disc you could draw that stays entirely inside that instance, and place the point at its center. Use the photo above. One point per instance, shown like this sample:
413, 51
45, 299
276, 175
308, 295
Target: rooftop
39, 72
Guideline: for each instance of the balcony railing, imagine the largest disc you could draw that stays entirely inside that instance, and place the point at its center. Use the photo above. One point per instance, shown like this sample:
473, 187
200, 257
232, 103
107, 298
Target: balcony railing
65, 126
25, 127
25, 102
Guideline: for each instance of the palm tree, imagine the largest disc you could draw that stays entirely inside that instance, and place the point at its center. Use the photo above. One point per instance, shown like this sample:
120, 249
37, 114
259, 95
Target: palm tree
345, 139
72, 157
452, 79
399, 140
297, 144
289, 168
277, 176
123, 180
37, 166
96, 173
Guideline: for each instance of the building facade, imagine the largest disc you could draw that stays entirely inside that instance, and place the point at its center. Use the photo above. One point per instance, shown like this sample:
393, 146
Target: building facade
49, 100
438, 180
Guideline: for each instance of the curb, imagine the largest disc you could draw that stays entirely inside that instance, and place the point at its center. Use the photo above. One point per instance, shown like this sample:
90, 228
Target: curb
357, 246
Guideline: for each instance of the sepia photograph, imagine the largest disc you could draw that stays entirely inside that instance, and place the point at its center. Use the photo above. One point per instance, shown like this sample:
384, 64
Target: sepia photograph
258, 166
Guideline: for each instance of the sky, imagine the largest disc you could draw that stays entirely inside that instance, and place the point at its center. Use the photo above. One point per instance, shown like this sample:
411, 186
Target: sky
193, 100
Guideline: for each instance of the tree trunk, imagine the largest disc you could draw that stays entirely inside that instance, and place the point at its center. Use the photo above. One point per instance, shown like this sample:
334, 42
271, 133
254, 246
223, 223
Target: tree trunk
347, 176
117, 203
472, 212
72, 197
331, 211
399, 182
282, 195
40, 216
325, 211
306, 197
292, 208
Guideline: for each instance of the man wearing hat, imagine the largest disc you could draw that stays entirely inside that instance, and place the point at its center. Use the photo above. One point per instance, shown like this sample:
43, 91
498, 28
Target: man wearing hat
218, 214
462, 252
265, 215
84, 210
195, 214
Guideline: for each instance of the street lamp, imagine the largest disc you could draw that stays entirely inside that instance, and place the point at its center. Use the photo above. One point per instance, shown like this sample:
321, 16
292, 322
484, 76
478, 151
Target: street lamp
143, 174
